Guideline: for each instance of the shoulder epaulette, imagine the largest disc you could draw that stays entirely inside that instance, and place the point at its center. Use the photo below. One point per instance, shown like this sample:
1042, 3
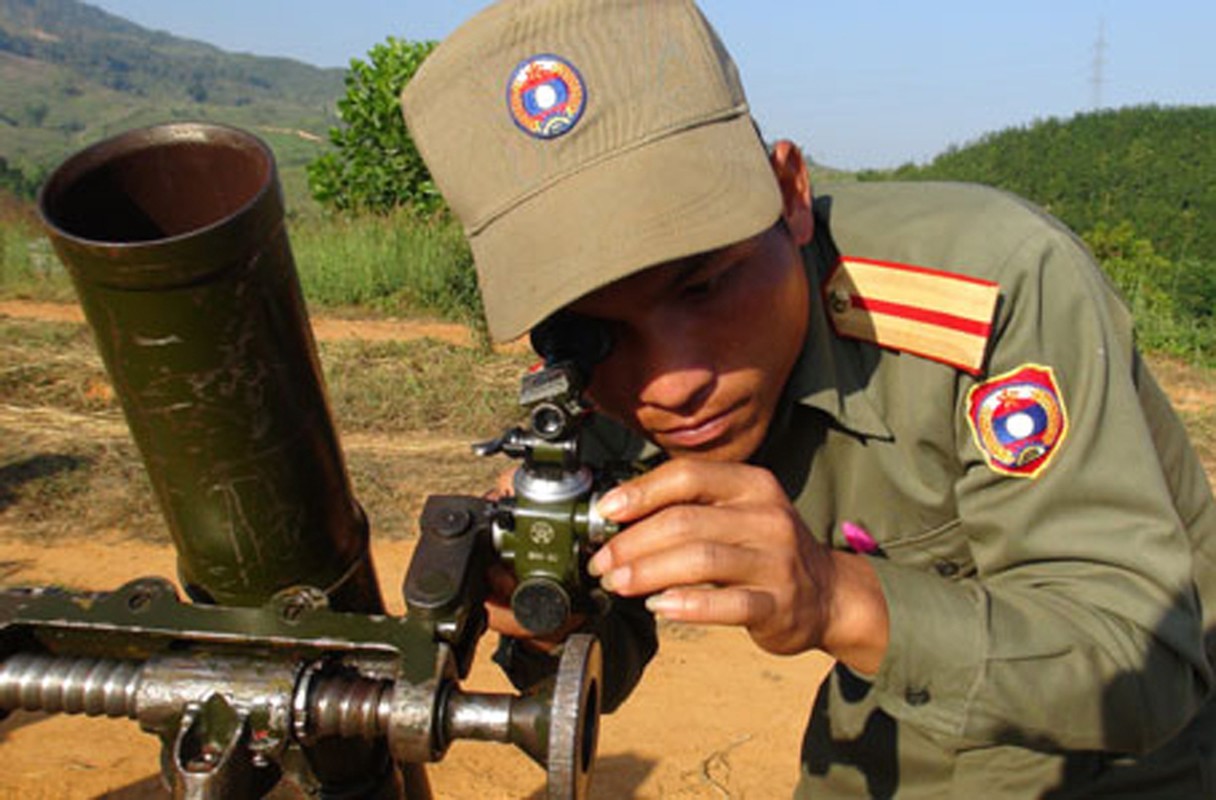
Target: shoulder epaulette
930, 313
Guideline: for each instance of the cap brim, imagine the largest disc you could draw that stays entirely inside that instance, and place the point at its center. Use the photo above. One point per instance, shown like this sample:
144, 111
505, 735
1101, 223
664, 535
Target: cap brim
687, 193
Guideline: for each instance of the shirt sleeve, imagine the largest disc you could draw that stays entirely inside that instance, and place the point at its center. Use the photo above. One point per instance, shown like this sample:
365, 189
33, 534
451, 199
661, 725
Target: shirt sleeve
1081, 627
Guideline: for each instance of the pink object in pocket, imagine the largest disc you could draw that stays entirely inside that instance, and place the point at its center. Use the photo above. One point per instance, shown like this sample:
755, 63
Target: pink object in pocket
857, 538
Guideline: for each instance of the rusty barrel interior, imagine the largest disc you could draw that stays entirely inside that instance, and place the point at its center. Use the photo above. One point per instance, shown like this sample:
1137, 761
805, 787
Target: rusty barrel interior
157, 184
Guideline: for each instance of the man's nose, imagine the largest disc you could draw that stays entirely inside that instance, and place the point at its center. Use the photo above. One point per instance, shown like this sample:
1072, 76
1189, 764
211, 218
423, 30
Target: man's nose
676, 375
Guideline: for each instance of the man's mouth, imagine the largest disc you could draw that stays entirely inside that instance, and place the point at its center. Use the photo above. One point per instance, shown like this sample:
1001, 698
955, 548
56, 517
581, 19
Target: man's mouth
700, 434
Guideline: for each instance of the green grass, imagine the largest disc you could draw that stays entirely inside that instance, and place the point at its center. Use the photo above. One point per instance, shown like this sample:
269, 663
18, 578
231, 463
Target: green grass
1174, 334
419, 387
397, 265
28, 266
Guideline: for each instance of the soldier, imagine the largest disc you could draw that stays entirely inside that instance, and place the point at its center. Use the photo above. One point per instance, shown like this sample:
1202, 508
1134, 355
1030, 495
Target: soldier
903, 423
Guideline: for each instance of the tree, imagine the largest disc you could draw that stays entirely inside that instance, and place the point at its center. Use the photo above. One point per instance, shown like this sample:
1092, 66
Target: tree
1133, 264
374, 165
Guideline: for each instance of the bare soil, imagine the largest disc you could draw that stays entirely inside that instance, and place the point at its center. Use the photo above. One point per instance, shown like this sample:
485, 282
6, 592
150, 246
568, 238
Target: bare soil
324, 328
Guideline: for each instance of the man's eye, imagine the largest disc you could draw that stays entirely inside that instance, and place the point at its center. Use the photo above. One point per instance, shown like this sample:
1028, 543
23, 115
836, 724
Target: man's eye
707, 285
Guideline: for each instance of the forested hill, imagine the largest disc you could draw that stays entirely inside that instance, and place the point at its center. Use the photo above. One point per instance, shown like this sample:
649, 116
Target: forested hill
1151, 167
71, 73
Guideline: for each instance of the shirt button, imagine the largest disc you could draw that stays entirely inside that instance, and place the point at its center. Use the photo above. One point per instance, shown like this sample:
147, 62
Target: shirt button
947, 569
917, 697
840, 300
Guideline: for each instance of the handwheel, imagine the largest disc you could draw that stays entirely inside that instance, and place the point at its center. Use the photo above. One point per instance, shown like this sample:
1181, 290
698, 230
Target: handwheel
575, 719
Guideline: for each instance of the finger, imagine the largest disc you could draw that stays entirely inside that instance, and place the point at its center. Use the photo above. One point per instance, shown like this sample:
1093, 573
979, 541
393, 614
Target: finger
504, 486
732, 606
772, 528
671, 527
500, 581
685, 565
500, 618
686, 481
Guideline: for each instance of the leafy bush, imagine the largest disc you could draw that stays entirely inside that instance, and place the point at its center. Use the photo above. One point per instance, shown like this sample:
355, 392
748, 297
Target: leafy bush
1170, 300
375, 166
1134, 266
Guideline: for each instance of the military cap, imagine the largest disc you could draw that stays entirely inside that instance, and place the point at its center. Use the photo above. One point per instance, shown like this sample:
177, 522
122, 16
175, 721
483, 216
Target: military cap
580, 141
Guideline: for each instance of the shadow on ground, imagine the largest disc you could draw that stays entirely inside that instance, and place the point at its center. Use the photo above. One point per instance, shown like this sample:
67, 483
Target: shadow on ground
35, 468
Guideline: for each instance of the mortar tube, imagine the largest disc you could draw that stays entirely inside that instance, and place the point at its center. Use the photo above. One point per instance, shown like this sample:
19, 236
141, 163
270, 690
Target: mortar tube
175, 240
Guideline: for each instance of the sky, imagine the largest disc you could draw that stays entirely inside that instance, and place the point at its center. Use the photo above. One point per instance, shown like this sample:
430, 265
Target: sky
857, 84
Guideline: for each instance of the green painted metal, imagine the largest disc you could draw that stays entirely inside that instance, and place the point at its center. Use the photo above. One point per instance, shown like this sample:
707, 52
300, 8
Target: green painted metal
174, 237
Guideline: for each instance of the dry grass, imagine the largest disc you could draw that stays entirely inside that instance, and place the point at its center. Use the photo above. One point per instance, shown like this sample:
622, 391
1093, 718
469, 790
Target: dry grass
408, 412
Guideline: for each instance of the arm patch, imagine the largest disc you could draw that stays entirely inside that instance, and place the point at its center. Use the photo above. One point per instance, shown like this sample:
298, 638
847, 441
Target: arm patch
1018, 420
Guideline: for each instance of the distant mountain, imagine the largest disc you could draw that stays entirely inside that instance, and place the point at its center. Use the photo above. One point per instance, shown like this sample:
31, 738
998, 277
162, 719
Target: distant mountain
71, 73
1150, 166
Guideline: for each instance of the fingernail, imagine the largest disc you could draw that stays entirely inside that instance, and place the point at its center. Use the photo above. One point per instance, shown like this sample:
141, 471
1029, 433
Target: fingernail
600, 563
616, 579
612, 503
662, 604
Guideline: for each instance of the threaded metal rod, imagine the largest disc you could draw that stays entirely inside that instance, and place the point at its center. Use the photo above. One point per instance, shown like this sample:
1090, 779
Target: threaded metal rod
68, 685
349, 707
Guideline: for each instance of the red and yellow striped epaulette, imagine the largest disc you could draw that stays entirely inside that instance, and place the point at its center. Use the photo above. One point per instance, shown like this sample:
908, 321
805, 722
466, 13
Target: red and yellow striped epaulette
937, 315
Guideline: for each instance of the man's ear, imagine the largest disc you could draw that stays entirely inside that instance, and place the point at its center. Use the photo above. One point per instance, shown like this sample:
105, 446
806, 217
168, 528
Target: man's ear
795, 183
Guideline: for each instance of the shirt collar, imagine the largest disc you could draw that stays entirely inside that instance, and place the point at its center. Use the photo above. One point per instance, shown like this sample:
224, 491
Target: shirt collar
830, 374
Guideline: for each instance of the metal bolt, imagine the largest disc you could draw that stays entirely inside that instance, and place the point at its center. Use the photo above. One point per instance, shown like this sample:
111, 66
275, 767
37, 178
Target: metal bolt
452, 522
139, 600
298, 601
294, 609
947, 569
205, 761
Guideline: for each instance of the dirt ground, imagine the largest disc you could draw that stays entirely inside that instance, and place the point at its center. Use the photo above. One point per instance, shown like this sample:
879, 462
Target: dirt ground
713, 718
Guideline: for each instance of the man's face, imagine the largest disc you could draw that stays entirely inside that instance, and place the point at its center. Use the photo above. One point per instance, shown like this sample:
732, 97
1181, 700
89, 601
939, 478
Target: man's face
703, 346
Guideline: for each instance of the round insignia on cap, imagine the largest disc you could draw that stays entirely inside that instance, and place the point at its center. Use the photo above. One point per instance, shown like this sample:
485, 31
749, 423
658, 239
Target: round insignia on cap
1018, 420
546, 96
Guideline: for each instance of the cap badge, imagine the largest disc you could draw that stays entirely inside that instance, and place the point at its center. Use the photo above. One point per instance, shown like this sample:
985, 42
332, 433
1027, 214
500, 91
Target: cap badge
546, 96
1018, 420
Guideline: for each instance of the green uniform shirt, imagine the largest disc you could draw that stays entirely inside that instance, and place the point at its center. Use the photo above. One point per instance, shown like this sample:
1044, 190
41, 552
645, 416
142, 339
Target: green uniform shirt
1047, 631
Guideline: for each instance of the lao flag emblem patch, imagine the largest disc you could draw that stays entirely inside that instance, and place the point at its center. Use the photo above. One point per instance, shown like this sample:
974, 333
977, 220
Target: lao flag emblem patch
546, 96
1018, 420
